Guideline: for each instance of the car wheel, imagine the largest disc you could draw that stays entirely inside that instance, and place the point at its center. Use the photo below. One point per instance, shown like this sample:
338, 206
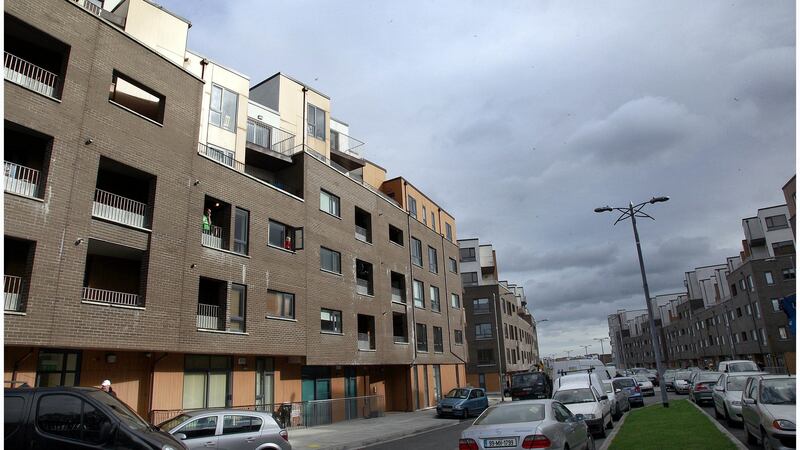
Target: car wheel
589, 442
765, 441
750, 438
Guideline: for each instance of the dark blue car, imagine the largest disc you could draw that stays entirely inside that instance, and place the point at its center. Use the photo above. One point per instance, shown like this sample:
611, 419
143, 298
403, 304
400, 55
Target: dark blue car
462, 402
631, 388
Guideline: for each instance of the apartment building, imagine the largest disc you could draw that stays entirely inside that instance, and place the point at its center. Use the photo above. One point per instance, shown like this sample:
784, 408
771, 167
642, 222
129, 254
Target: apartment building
203, 242
500, 333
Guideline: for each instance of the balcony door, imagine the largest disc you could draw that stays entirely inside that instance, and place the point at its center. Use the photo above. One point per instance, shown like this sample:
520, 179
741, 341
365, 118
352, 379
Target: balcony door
265, 384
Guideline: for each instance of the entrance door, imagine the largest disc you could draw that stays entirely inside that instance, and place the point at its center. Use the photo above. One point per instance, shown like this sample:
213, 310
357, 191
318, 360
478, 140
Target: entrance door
437, 383
425, 385
351, 406
265, 384
482, 380
316, 385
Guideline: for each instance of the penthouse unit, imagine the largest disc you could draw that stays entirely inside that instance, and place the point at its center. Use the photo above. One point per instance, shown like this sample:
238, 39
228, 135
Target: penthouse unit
205, 243
500, 332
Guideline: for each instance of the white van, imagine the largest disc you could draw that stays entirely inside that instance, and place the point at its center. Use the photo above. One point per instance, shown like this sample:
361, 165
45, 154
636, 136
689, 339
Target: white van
582, 397
738, 365
559, 368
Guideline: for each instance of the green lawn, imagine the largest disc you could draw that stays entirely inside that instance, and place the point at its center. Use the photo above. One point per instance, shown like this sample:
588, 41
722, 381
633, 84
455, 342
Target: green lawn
681, 426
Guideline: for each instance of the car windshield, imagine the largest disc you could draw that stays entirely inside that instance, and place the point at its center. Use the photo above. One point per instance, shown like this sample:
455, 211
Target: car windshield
705, 377
778, 391
748, 366
640, 377
126, 415
568, 396
497, 415
685, 376
669, 375
526, 379
624, 383
458, 393
174, 422
736, 383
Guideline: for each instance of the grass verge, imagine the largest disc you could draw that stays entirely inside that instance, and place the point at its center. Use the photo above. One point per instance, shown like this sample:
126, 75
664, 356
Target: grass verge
679, 426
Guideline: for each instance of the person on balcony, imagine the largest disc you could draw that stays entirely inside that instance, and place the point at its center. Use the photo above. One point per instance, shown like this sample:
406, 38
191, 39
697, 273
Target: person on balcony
207, 221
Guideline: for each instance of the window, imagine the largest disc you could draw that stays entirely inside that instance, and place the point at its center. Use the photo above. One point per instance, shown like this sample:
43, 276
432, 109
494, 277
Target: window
330, 260
783, 248
782, 333
742, 284
316, 122
438, 342
395, 235
750, 283
364, 285
776, 304
469, 278
70, 417
448, 232
203, 427
418, 293
135, 97
433, 220
480, 306
280, 304
748, 310
467, 254
223, 108
240, 424
485, 356
453, 265
335, 140
241, 229
424, 215
399, 328
363, 225
285, 237
458, 337
763, 335
483, 331
412, 206
433, 260
435, 305
739, 312
768, 278
758, 309
744, 336
505, 330
366, 332
776, 222
206, 382
422, 337
238, 307
416, 252
329, 203
398, 282
58, 369
455, 301
788, 274
330, 320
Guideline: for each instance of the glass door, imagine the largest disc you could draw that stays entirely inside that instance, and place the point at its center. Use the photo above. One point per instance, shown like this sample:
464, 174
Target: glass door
265, 384
437, 383
425, 385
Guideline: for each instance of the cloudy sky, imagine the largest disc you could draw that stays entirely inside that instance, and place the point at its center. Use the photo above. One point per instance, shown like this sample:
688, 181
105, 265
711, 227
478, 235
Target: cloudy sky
528, 115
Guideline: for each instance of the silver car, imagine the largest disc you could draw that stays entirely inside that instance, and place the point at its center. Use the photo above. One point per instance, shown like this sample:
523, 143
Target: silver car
728, 396
619, 400
229, 429
527, 424
768, 410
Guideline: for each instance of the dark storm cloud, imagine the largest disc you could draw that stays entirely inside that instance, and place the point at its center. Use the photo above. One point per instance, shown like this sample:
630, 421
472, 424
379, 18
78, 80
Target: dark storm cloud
520, 119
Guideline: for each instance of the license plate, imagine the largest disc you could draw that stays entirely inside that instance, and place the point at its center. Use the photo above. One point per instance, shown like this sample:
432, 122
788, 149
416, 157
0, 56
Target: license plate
447, 408
500, 442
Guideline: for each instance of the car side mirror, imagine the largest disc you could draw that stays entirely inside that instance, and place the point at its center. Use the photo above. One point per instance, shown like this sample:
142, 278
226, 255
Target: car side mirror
605, 397
180, 436
750, 401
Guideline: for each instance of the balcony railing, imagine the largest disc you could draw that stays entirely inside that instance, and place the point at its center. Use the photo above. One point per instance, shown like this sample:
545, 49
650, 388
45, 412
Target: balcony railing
12, 290
400, 339
213, 237
364, 342
275, 139
119, 209
397, 295
29, 75
208, 317
362, 286
111, 297
348, 145
21, 180
362, 234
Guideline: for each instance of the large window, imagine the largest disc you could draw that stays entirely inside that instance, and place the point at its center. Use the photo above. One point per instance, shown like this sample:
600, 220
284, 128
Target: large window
783, 248
330, 260
395, 235
416, 252
223, 108
448, 232
330, 320
453, 265
467, 254
280, 304
438, 341
58, 368
398, 282
469, 278
136, 97
424, 215
435, 304
316, 122
480, 306
455, 301
238, 307
412, 206
206, 382
776, 222
768, 278
422, 337
329, 203
485, 356
363, 226
483, 331
433, 260
418, 293
285, 237
458, 337
788, 274
364, 285
241, 231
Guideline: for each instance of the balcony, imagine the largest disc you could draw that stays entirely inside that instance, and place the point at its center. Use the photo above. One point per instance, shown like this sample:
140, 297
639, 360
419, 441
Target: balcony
110, 297
214, 237
346, 150
270, 141
29, 75
210, 317
21, 180
12, 289
117, 208
363, 342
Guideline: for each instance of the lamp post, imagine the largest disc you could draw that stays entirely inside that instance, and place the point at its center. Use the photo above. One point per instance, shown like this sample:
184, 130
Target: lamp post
632, 212
585, 349
568, 352
602, 349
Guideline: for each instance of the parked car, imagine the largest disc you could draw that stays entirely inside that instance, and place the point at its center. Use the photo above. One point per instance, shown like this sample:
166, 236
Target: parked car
582, 398
728, 396
768, 410
652, 375
462, 402
232, 429
619, 400
669, 379
531, 385
631, 388
77, 418
590, 377
527, 424
739, 365
701, 386
681, 382
645, 384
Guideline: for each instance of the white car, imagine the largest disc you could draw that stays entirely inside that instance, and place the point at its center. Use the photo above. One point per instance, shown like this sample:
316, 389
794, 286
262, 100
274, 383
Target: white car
768, 410
738, 365
594, 406
728, 396
645, 384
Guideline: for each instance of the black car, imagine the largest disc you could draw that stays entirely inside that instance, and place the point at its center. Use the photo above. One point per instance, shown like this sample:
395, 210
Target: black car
72, 418
531, 385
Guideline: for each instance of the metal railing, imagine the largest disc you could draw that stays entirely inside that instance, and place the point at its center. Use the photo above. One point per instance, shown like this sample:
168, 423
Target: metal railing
89, 6
112, 297
362, 234
349, 145
397, 295
294, 415
362, 286
275, 139
21, 180
12, 290
208, 317
364, 342
213, 237
29, 75
224, 157
119, 209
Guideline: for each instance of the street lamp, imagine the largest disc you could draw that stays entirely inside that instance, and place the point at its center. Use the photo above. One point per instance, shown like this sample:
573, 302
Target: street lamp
632, 212
602, 350
585, 349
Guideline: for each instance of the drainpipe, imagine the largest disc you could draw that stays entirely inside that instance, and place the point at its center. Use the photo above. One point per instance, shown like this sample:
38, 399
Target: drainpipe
303, 126
413, 333
16, 365
500, 355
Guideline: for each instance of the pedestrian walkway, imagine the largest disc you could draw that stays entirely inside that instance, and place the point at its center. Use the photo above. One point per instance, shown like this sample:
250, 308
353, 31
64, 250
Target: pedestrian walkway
354, 434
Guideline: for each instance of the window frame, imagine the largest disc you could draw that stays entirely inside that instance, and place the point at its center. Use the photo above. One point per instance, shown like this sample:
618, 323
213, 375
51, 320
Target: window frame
334, 313
433, 260
448, 231
63, 371
470, 256
331, 196
440, 343
313, 127
769, 278
452, 265
238, 241
321, 265
400, 232
280, 297
412, 206
162, 103
436, 304
457, 303
458, 337
220, 111
481, 330
416, 247
422, 338
295, 235
415, 299
242, 318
